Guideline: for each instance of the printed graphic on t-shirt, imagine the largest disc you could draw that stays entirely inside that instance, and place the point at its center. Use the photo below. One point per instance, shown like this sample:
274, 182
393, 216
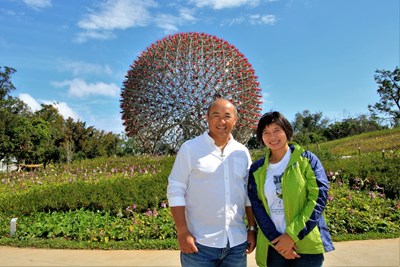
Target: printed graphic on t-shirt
277, 204
278, 184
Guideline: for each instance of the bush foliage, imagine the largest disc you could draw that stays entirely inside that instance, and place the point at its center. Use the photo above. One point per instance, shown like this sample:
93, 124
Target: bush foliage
110, 201
108, 184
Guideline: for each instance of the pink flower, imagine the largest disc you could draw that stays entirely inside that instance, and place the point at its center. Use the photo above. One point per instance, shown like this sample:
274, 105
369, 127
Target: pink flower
148, 212
131, 208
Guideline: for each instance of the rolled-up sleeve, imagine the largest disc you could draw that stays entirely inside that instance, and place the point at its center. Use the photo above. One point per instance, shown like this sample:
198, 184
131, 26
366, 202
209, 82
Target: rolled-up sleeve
178, 178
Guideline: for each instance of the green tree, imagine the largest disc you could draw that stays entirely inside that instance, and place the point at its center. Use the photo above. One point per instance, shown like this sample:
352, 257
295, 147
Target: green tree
126, 146
67, 148
308, 127
352, 126
44, 136
20, 132
110, 142
42, 145
52, 133
6, 86
389, 93
14, 139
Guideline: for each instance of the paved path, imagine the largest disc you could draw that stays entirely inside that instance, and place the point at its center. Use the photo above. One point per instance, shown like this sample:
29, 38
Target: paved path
351, 253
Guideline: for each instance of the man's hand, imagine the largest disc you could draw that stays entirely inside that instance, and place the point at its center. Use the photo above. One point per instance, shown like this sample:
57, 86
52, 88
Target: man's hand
251, 239
187, 242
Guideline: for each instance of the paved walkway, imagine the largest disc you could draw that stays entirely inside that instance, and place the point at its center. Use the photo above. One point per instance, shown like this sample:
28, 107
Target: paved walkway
351, 253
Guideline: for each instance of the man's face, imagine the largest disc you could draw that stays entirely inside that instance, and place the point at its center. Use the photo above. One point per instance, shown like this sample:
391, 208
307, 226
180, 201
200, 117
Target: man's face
221, 119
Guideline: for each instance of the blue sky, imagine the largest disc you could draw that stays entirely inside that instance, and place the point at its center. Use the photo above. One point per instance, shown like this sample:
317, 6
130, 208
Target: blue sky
319, 55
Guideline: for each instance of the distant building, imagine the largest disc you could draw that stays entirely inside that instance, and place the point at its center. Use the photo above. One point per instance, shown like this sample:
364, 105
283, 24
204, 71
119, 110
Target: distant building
4, 167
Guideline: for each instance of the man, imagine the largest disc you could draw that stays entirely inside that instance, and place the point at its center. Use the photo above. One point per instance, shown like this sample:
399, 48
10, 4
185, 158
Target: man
207, 193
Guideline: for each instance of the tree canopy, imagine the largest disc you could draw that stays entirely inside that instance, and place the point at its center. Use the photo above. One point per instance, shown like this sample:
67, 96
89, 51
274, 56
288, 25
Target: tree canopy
389, 93
44, 136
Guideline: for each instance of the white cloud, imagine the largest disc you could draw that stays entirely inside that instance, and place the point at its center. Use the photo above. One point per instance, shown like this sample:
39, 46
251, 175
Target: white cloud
167, 22
30, 101
62, 107
114, 15
81, 68
221, 4
187, 14
79, 88
259, 19
12, 13
111, 15
254, 19
38, 4
86, 35
233, 21
170, 23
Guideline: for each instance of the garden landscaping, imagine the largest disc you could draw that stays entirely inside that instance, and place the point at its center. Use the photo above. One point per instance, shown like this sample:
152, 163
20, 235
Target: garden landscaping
120, 203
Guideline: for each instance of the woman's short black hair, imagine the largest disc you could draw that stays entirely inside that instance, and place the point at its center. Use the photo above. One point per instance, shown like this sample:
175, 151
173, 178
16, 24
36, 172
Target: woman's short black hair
269, 118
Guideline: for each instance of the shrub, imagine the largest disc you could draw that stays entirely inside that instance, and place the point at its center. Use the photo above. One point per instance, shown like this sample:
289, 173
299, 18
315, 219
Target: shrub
368, 172
111, 189
94, 226
357, 212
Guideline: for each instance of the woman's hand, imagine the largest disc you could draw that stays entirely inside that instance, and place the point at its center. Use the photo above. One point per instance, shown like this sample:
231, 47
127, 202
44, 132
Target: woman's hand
284, 244
290, 254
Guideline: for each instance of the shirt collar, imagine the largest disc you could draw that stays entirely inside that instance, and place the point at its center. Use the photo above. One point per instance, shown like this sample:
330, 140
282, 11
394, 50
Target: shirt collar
212, 142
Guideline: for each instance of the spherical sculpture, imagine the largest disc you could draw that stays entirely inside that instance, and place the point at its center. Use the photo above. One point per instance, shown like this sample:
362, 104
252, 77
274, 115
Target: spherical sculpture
169, 87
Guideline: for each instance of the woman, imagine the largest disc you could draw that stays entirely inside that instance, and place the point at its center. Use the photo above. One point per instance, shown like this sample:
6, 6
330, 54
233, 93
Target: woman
288, 191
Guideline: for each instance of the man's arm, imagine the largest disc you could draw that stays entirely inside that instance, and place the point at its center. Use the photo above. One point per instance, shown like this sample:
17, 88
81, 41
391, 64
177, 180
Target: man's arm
185, 238
251, 232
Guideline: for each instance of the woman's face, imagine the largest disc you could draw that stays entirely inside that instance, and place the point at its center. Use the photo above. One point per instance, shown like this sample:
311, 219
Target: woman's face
274, 137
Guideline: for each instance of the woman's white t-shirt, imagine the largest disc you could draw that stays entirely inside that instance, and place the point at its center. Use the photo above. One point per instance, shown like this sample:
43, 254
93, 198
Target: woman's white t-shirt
273, 191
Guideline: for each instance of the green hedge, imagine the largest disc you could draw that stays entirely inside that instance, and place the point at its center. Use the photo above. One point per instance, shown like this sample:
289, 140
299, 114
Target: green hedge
87, 205
110, 193
368, 172
114, 192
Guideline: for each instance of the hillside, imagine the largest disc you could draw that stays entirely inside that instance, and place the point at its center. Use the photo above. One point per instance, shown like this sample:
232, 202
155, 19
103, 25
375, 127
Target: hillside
388, 139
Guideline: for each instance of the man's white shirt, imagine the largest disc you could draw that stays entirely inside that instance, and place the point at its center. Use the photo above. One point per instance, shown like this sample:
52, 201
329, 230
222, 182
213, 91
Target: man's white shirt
212, 184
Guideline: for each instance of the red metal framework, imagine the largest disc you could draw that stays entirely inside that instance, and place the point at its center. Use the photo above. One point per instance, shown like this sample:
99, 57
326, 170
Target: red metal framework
169, 87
